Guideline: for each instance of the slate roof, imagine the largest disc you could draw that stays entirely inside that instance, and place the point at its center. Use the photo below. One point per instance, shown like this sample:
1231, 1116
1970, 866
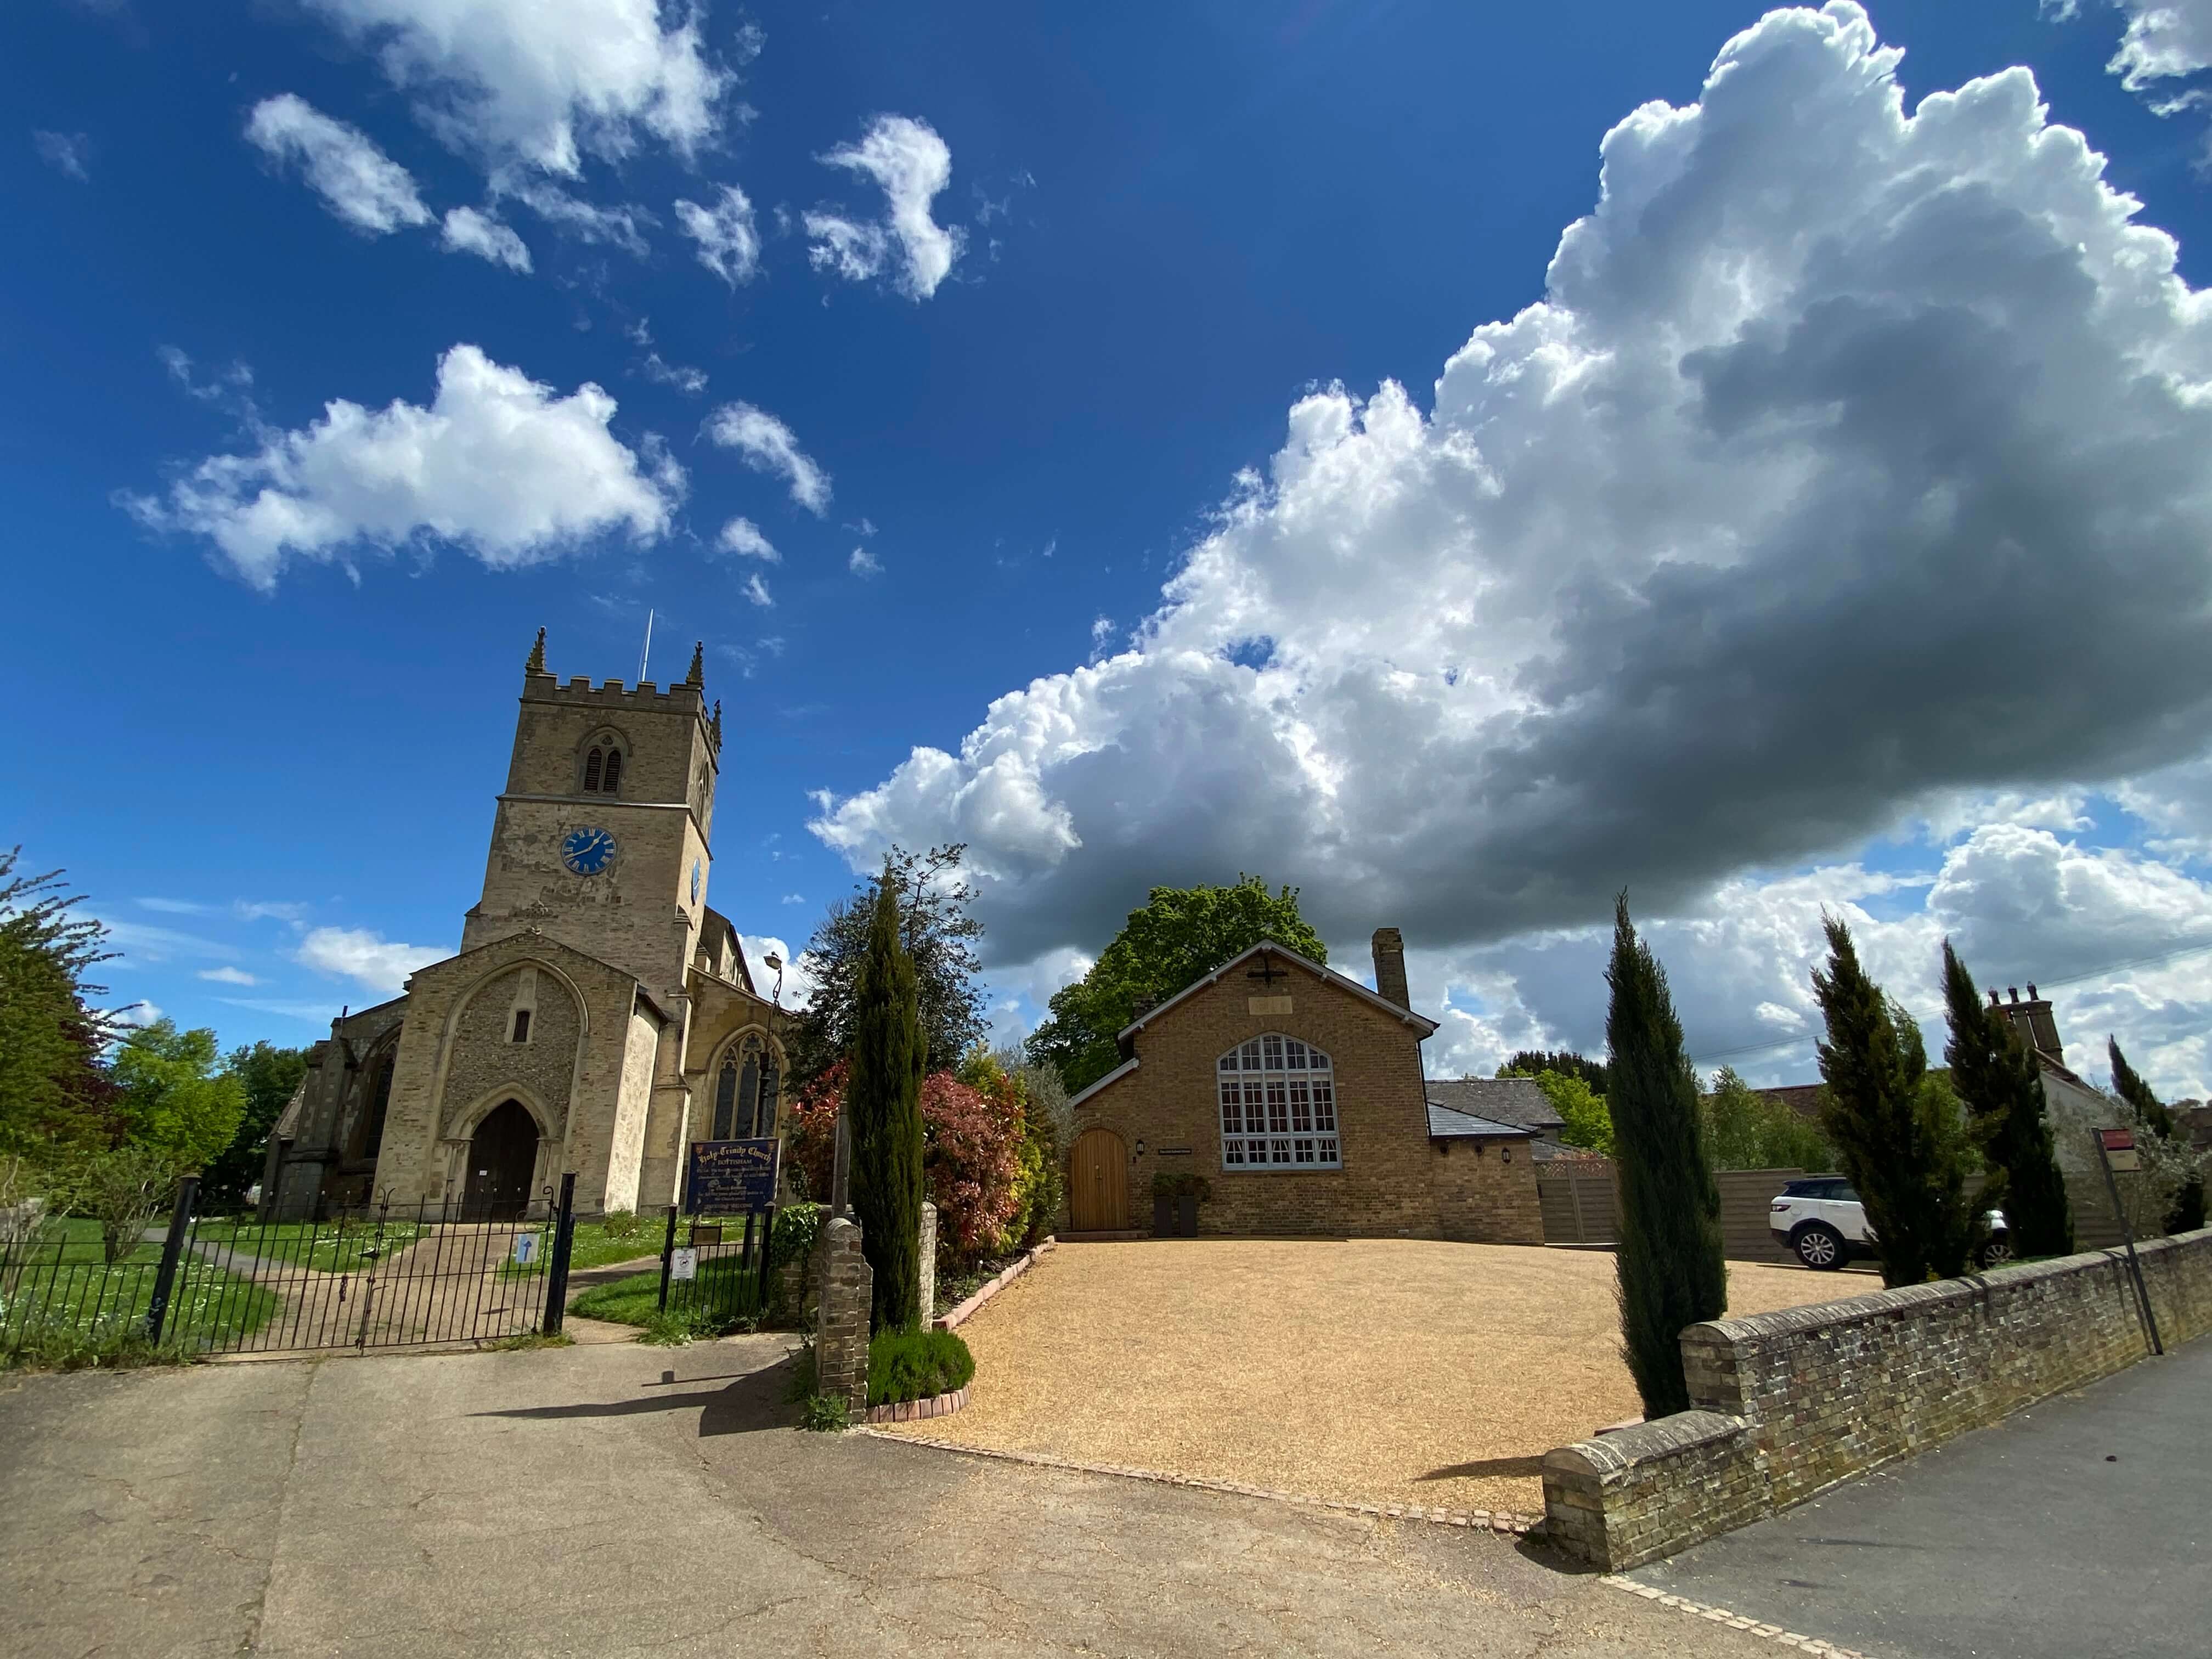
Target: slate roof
1516, 1100
1449, 1123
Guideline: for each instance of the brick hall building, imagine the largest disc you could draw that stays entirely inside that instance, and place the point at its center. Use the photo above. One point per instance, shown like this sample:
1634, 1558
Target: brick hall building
1300, 1096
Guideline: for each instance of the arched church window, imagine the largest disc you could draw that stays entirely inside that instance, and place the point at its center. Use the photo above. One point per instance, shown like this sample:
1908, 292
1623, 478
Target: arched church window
613, 782
591, 763
745, 1093
1277, 1106
379, 1100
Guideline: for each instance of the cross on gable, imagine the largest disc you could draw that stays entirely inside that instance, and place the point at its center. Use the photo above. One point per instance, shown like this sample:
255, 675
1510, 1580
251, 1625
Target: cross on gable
1267, 972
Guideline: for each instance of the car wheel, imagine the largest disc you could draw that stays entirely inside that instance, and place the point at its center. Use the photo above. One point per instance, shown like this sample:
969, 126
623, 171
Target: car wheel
1997, 1251
1819, 1247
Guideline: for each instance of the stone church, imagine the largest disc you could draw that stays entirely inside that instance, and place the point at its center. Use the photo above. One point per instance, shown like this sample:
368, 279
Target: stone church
599, 1016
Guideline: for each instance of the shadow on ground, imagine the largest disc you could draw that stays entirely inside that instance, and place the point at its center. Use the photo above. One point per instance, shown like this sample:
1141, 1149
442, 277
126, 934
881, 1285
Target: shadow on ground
751, 1401
1487, 1466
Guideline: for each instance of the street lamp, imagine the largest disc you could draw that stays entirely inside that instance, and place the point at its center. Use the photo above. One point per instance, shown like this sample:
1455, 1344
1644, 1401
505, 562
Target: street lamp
776, 963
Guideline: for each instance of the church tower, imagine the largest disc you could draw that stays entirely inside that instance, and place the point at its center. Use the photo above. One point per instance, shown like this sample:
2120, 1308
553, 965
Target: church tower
601, 837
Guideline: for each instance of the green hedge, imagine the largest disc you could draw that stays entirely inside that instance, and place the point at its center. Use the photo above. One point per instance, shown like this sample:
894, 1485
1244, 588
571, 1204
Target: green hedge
916, 1364
797, 1228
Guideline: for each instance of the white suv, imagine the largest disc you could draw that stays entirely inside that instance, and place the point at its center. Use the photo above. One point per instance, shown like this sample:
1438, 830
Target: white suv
1820, 1221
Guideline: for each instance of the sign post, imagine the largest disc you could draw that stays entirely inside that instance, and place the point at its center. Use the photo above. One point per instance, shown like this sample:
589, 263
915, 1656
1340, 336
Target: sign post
2116, 1151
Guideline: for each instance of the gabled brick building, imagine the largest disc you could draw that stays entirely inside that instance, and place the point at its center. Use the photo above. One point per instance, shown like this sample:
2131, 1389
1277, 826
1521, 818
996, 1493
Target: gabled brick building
1299, 1095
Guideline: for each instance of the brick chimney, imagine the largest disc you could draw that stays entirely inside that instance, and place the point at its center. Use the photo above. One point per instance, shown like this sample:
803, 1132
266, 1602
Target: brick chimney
1390, 968
2032, 1019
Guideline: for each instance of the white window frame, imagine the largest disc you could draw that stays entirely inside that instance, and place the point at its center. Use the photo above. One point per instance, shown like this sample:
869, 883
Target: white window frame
1276, 1104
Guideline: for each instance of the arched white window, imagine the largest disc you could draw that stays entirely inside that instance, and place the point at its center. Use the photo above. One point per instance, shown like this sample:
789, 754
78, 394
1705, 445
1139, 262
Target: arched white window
1277, 1106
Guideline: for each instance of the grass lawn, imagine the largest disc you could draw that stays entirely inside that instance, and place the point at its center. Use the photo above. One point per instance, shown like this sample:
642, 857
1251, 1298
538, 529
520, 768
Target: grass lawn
724, 1284
55, 1303
330, 1247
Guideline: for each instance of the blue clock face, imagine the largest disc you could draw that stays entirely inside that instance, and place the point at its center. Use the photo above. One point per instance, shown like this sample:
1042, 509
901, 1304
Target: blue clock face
695, 881
587, 851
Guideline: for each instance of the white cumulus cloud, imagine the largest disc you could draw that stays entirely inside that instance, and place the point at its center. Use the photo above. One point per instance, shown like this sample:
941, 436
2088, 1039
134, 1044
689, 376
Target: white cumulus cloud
912, 164
543, 83
744, 537
228, 975
1714, 562
358, 182
729, 243
468, 231
379, 964
498, 464
769, 446
757, 590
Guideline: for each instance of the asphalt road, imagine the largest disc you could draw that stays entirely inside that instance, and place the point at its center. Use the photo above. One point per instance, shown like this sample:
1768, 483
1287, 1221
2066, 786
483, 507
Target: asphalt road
623, 1500
2076, 1530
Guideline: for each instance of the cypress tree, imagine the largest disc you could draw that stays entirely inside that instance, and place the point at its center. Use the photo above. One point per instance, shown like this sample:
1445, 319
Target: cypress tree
1895, 1139
1672, 1273
2001, 1086
2187, 1213
882, 1099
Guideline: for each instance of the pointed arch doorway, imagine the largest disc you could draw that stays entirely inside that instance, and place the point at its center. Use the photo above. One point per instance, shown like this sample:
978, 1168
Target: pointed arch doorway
503, 1153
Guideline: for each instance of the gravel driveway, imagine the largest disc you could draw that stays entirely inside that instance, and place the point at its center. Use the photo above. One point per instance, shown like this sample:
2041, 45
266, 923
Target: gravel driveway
1383, 1370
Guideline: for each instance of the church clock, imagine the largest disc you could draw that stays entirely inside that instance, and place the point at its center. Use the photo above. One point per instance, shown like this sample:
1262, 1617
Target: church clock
587, 851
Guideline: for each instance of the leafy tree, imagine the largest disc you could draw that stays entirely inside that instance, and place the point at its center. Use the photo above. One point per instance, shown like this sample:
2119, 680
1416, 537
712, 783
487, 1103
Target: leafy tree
123, 1188
1671, 1271
2186, 1213
882, 1090
939, 939
1535, 1062
53, 1096
170, 1096
1588, 1123
1895, 1139
2000, 1085
1746, 1130
1179, 935
268, 1075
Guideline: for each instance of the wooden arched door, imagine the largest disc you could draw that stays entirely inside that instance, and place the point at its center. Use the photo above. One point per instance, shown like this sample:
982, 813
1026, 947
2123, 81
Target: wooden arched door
502, 1155
1098, 1184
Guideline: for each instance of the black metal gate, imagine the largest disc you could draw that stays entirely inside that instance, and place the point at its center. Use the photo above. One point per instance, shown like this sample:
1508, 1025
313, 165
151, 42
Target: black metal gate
714, 1273
375, 1277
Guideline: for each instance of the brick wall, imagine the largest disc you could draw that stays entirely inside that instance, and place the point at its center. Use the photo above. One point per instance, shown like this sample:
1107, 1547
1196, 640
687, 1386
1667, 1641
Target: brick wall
846, 1288
1486, 1191
1825, 1393
1169, 1102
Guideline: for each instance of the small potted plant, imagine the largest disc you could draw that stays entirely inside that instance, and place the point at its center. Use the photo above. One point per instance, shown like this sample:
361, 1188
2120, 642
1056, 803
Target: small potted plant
1163, 1205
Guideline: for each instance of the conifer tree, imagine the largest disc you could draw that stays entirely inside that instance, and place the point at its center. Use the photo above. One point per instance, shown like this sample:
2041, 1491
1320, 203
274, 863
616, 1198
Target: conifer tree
1671, 1272
883, 1097
1895, 1139
1998, 1081
2187, 1213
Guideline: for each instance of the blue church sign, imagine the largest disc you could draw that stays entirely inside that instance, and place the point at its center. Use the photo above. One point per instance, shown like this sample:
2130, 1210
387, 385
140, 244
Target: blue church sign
730, 1177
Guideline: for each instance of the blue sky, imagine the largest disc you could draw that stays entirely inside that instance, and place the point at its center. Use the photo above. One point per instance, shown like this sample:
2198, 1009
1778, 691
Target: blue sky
1171, 232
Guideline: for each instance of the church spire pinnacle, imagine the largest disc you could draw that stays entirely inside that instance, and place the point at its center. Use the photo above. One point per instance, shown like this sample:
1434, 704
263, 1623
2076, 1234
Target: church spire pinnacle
698, 675
716, 726
537, 663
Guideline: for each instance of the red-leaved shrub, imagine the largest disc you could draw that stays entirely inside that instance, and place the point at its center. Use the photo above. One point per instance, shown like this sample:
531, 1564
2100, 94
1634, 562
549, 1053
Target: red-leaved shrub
971, 1147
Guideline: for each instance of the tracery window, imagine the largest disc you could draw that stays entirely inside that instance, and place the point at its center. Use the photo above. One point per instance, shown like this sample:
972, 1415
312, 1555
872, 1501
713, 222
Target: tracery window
379, 1102
745, 1092
593, 762
612, 783
1277, 1106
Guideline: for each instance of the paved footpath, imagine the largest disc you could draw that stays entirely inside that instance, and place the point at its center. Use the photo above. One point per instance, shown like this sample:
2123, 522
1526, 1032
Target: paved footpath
624, 1500
2078, 1529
